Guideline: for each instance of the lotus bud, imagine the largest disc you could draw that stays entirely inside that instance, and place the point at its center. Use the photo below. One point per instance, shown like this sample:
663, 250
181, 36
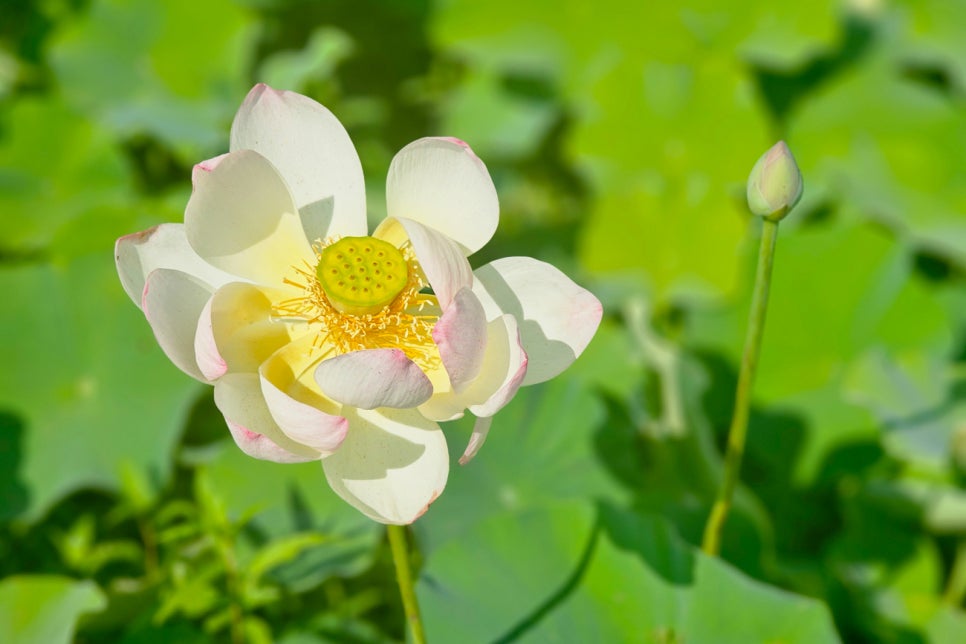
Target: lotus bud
775, 183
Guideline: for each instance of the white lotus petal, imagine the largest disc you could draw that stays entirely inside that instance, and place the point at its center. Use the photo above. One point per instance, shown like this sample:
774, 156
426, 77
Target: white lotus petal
503, 370
460, 335
163, 246
557, 317
441, 184
302, 413
374, 378
393, 464
172, 302
312, 152
441, 259
242, 219
236, 331
239, 398
480, 431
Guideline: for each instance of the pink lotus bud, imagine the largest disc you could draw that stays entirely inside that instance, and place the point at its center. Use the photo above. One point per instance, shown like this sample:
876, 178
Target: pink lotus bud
775, 183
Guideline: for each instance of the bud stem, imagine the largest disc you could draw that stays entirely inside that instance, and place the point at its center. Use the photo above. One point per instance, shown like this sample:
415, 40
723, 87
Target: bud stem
711, 543
404, 577
956, 585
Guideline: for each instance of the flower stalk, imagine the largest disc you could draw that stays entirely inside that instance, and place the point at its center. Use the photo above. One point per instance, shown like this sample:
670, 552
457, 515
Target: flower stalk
404, 577
774, 187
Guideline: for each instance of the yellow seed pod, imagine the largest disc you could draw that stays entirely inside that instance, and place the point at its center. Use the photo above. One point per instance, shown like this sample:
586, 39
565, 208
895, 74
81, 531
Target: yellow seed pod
361, 275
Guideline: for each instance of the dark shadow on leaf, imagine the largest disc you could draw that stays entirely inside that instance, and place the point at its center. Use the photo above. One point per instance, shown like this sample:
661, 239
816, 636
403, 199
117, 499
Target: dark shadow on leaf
13, 492
545, 608
654, 540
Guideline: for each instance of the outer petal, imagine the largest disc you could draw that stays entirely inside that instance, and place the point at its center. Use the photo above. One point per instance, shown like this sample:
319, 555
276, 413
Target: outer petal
242, 219
503, 370
199, 173
439, 256
236, 331
440, 183
239, 398
313, 153
374, 378
480, 431
460, 335
557, 317
172, 303
302, 414
393, 464
163, 246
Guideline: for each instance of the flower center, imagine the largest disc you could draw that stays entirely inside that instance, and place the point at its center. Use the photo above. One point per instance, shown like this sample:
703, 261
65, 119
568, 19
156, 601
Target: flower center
361, 275
369, 304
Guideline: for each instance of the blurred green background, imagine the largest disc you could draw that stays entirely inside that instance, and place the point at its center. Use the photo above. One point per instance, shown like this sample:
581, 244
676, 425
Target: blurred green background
619, 135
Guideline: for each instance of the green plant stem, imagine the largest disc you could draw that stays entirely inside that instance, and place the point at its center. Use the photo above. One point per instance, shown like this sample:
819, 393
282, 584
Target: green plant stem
404, 576
956, 586
711, 543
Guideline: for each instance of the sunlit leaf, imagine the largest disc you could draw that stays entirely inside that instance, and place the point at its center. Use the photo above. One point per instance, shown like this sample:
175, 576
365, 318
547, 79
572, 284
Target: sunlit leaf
174, 71
44, 609
90, 383
55, 168
892, 148
604, 575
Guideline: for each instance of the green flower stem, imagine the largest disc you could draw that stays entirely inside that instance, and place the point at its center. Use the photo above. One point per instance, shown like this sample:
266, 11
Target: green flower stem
956, 586
711, 543
404, 576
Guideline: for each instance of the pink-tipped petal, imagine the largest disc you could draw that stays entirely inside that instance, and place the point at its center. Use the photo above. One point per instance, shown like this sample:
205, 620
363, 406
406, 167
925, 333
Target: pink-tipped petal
172, 302
200, 171
236, 331
242, 219
441, 259
460, 335
440, 183
557, 317
210, 361
503, 371
504, 367
239, 398
393, 464
301, 413
374, 378
312, 152
480, 431
163, 246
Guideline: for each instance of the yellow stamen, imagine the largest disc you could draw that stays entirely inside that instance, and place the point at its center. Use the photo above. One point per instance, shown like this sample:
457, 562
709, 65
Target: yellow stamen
405, 322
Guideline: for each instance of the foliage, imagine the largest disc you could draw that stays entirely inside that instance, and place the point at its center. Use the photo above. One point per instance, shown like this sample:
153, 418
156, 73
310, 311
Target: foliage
619, 135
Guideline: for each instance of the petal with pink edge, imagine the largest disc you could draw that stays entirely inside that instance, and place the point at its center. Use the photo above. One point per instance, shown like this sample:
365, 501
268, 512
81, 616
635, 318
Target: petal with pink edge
481, 428
441, 259
503, 369
374, 378
440, 183
239, 399
460, 335
557, 317
302, 414
200, 172
312, 152
172, 302
242, 219
236, 331
163, 246
393, 464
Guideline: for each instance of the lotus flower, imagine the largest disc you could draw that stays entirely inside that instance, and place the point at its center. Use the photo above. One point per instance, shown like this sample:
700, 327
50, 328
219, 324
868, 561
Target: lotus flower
326, 343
